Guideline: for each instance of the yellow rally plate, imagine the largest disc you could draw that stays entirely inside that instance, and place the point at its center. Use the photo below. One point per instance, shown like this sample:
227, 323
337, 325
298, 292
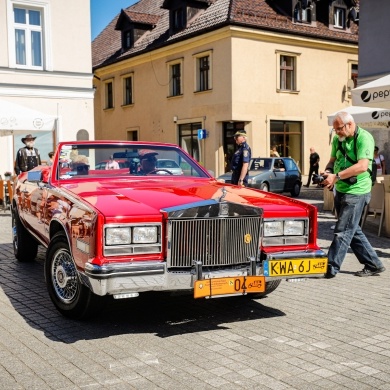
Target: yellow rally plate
293, 267
232, 285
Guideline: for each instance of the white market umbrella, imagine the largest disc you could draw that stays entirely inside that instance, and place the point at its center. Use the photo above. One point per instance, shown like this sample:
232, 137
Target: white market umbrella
373, 94
363, 114
17, 119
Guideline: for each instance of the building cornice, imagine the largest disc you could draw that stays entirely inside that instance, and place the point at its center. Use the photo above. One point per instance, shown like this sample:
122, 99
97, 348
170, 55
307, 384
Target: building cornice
44, 91
227, 32
43, 73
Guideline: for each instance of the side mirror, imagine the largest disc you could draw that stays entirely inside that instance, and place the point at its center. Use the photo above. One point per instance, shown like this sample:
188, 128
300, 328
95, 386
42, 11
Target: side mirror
34, 176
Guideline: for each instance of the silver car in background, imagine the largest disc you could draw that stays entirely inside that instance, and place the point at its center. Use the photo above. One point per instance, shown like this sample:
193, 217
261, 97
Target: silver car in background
170, 165
276, 174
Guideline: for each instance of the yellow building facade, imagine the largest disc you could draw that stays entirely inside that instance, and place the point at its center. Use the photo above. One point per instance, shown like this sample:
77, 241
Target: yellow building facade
278, 87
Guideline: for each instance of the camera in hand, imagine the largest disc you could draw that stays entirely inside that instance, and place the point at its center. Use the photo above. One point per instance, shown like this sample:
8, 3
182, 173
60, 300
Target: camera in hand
318, 179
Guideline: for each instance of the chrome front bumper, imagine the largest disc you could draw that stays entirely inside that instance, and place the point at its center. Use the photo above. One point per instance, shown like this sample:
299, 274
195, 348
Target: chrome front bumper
127, 278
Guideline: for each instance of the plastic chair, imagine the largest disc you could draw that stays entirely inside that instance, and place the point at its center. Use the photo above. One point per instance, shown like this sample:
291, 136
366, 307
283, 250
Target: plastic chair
376, 205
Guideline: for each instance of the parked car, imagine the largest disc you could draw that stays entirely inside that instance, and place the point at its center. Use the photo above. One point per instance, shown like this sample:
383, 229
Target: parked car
171, 165
122, 232
275, 174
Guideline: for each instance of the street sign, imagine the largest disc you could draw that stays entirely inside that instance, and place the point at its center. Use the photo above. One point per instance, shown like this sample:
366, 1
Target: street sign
202, 134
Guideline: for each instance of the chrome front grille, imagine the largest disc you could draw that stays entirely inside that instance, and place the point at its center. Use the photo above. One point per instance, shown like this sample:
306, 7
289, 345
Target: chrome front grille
213, 241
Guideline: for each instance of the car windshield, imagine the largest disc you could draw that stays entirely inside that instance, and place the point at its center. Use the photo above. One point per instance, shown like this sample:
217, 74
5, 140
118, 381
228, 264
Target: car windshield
258, 164
97, 160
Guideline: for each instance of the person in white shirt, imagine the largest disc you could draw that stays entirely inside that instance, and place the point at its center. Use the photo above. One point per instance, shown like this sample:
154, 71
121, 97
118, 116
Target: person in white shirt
112, 164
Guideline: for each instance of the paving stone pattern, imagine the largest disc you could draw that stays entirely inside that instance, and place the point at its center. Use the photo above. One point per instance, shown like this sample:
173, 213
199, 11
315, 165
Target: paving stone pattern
318, 334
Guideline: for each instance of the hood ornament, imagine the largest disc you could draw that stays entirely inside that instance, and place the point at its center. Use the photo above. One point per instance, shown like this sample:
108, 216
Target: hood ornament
224, 192
223, 207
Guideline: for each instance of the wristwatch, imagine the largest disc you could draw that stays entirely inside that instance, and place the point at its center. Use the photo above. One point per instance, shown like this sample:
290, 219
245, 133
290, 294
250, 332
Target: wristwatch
240, 180
338, 177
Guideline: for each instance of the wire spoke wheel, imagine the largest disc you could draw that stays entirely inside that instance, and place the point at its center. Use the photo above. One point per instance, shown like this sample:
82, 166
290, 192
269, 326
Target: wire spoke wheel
71, 298
64, 276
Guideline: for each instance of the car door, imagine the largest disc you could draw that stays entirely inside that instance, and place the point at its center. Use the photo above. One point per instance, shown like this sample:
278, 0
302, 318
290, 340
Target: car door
34, 195
292, 173
279, 175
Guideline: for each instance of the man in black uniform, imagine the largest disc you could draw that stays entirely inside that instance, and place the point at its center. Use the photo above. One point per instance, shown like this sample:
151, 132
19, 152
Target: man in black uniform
28, 157
241, 159
314, 165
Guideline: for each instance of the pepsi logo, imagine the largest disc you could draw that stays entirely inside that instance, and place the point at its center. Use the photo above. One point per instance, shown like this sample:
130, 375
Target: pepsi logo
366, 96
375, 115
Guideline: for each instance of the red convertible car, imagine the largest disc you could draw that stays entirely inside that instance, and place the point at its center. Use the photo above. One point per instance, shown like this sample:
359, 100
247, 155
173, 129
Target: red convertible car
140, 228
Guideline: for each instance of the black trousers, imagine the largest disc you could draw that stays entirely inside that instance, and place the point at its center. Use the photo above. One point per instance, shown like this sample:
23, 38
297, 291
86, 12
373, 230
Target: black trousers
236, 176
313, 169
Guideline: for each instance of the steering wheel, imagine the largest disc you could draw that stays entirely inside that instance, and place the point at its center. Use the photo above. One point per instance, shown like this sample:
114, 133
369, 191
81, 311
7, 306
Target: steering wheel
159, 170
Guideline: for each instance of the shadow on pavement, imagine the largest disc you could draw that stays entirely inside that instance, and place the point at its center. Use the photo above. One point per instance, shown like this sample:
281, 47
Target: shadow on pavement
161, 314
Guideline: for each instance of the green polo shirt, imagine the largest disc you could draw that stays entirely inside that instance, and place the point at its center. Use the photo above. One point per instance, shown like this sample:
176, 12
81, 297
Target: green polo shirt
364, 149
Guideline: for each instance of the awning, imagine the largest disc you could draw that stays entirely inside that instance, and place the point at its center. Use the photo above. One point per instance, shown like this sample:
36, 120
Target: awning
363, 114
17, 119
373, 94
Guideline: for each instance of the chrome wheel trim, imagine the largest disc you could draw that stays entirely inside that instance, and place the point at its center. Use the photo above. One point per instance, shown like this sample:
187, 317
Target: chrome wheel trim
64, 277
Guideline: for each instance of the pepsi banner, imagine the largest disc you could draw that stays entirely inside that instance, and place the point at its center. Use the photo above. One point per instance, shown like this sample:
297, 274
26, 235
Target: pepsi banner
373, 94
363, 114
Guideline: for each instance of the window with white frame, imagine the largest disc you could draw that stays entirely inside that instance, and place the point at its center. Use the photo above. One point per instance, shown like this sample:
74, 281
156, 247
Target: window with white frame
339, 17
203, 72
303, 15
175, 77
108, 94
128, 90
287, 73
28, 36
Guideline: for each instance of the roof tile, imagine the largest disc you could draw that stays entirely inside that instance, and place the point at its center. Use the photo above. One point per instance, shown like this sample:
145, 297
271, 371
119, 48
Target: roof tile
260, 14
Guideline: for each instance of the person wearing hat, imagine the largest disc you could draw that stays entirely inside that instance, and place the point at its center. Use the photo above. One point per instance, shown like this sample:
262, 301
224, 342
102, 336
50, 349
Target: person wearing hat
241, 159
148, 161
28, 157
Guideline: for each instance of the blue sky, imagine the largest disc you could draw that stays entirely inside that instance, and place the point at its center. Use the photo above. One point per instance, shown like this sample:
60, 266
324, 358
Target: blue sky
103, 11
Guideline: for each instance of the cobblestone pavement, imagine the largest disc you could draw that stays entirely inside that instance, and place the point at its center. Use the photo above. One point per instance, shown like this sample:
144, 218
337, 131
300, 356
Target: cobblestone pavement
319, 334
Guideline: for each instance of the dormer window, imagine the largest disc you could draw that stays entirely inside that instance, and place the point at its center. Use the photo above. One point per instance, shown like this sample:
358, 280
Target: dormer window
181, 12
303, 15
126, 39
304, 11
339, 17
178, 21
133, 26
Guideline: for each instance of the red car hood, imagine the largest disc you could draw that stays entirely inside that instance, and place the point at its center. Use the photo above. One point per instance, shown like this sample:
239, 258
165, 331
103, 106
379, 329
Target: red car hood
146, 197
